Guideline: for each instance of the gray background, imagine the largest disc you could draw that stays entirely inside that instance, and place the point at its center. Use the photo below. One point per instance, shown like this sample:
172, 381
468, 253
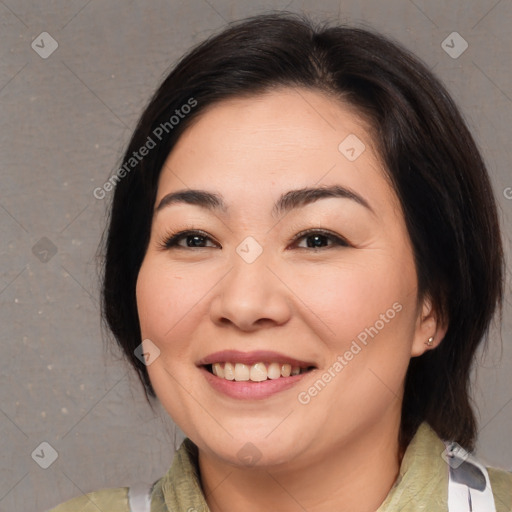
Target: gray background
65, 121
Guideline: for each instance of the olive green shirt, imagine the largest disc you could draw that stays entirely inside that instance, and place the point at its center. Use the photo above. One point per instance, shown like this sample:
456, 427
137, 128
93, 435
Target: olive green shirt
422, 484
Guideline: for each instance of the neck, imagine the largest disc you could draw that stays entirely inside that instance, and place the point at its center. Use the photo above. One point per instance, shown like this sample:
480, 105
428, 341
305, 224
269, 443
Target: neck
355, 476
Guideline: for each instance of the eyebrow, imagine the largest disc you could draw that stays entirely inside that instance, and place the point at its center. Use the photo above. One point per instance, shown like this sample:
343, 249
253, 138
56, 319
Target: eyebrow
288, 201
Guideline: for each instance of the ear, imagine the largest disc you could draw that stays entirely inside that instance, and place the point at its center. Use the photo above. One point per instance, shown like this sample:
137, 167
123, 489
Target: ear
428, 325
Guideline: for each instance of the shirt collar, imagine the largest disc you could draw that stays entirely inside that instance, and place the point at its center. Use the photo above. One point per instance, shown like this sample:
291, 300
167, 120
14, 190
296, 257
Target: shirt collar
422, 479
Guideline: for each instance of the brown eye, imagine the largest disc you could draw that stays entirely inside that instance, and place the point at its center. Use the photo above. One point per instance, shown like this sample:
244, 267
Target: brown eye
318, 239
193, 239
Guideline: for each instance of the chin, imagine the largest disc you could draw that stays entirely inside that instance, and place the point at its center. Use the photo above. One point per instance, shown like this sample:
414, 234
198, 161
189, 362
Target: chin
253, 447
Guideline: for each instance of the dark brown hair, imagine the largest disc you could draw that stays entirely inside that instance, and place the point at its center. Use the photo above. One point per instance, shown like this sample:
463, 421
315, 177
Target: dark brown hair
431, 159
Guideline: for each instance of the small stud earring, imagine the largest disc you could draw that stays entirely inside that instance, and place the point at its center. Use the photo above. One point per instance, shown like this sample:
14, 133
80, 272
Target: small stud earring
430, 341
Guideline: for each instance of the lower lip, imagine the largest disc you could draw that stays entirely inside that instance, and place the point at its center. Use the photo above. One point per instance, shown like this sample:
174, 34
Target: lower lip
249, 390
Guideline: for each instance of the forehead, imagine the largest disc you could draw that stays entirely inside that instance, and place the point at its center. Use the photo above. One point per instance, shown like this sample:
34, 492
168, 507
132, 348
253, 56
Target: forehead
282, 139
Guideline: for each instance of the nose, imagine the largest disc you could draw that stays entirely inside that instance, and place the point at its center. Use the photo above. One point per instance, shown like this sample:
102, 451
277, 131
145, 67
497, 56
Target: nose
251, 296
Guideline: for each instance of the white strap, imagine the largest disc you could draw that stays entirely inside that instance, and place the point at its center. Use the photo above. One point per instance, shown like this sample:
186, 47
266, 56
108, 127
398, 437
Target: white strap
469, 487
139, 497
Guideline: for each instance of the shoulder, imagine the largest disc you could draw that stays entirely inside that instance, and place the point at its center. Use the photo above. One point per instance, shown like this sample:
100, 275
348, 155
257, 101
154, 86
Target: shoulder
501, 484
113, 500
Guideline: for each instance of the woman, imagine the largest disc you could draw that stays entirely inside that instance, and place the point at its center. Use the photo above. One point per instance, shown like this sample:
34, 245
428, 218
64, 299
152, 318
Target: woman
303, 256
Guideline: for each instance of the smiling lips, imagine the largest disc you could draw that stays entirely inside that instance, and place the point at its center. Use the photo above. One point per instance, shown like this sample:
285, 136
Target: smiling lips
256, 366
257, 372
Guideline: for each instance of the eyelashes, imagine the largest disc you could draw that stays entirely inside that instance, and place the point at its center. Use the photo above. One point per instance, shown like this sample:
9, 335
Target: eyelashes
171, 240
193, 237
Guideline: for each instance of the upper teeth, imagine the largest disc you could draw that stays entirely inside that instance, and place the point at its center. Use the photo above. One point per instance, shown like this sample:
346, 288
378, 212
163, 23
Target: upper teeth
257, 372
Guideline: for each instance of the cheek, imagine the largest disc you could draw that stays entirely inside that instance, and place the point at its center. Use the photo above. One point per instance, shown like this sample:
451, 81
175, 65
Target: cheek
372, 311
163, 295
171, 302
349, 297
367, 311
162, 300
154, 303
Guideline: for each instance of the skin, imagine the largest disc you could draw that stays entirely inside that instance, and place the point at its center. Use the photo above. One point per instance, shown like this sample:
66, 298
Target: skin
340, 450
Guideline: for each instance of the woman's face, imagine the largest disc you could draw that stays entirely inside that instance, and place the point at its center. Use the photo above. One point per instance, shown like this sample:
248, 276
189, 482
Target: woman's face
251, 291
